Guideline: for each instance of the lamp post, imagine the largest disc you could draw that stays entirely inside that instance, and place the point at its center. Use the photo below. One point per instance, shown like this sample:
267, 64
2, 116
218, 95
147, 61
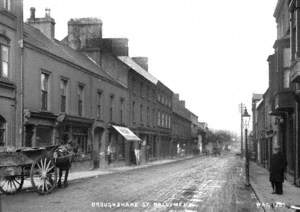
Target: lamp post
246, 119
241, 111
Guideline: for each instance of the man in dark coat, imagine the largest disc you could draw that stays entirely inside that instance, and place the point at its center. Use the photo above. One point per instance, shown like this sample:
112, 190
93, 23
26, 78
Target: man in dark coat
277, 168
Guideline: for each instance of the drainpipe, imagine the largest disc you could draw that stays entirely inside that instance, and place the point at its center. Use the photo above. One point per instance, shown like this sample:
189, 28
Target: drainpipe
241, 108
296, 175
20, 82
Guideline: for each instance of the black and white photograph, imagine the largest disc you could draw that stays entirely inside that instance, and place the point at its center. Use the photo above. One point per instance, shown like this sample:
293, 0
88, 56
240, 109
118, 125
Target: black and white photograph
149, 105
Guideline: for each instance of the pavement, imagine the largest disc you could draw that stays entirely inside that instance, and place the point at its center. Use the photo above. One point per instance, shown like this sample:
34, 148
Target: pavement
259, 180
80, 175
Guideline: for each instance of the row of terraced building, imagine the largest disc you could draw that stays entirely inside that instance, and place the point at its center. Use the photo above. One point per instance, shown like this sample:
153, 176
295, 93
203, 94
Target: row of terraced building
276, 120
87, 89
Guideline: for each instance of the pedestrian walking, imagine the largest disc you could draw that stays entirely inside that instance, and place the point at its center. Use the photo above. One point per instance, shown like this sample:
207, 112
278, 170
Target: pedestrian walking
277, 168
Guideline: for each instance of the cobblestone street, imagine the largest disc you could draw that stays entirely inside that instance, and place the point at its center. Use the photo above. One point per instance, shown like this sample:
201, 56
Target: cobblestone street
198, 184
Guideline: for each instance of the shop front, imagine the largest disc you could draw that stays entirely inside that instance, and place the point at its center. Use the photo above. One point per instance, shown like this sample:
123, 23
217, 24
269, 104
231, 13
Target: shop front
123, 145
39, 129
77, 131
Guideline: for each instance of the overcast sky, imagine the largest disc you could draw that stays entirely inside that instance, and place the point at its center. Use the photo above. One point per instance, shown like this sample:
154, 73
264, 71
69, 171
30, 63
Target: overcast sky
212, 52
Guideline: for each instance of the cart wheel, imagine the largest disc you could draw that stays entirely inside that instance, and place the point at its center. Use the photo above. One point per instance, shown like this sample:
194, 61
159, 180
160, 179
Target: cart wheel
43, 175
11, 184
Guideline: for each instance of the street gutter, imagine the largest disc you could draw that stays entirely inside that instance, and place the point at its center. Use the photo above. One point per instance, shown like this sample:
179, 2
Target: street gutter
258, 196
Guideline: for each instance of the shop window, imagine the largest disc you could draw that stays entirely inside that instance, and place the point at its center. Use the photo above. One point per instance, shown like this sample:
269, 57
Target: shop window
63, 95
2, 131
43, 136
29, 132
45, 90
121, 148
80, 139
80, 99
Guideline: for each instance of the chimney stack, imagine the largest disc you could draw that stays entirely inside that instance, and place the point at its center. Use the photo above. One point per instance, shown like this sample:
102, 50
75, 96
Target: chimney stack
182, 103
45, 25
32, 13
115, 46
83, 30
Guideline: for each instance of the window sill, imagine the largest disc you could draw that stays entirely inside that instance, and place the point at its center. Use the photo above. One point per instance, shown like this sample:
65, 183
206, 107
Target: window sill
5, 82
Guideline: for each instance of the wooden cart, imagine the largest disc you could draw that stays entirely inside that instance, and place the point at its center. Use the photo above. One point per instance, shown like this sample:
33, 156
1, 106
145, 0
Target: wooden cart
38, 164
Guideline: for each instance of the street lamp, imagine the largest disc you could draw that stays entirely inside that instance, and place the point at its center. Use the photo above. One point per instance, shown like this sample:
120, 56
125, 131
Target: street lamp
246, 120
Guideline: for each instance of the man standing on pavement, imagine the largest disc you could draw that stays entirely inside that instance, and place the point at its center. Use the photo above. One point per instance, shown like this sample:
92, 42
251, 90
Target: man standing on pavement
137, 152
277, 167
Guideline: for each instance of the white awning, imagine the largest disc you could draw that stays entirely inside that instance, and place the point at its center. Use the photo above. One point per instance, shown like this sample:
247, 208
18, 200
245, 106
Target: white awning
126, 133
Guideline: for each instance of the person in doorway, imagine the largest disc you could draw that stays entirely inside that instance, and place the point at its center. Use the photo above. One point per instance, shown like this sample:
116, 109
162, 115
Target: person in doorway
277, 168
137, 152
109, 154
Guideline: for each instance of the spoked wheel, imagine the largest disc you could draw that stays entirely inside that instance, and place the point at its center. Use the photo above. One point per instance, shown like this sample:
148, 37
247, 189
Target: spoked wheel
11, 184
43, 175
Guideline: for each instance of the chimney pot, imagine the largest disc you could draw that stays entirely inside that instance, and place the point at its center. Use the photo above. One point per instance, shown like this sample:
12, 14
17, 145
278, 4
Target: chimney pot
45, 25
47, 12
32, 13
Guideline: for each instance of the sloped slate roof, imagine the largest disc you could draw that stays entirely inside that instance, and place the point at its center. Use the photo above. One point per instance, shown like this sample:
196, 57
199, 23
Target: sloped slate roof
34, 37
133, 65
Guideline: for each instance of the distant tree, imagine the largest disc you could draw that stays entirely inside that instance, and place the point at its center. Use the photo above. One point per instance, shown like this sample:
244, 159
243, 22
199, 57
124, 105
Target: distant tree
222, 137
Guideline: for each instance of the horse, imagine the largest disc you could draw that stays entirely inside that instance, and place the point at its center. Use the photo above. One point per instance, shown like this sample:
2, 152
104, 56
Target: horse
63, 160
